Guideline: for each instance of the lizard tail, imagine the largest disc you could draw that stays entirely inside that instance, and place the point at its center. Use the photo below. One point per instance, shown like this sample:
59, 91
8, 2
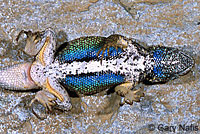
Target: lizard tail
17, 77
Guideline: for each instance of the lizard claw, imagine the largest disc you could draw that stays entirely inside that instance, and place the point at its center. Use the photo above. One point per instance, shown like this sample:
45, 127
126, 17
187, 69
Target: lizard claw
125, 90
133, 96
32, 41
44, 99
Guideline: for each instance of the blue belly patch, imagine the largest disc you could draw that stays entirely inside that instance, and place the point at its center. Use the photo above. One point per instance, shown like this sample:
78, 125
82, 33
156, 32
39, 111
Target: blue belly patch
85, 49
92, 83
88, 54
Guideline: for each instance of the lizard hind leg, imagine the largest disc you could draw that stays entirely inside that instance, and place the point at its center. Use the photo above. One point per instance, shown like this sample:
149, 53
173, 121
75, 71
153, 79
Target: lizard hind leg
116, 41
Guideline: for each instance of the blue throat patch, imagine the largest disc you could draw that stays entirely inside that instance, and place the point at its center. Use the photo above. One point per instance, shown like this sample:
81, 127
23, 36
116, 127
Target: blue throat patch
158, 57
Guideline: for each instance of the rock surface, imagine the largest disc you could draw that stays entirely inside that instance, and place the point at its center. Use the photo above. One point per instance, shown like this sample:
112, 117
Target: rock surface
173, 23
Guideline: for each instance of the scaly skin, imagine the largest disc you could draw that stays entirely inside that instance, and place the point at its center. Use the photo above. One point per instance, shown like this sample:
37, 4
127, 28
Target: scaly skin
17, 77
88, 65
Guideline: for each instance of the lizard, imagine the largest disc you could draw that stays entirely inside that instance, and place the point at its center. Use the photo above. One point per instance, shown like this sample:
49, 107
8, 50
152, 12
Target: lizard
91, 64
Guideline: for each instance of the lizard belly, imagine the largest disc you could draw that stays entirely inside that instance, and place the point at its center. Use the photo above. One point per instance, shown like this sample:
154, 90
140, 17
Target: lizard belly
87, 77
92, 77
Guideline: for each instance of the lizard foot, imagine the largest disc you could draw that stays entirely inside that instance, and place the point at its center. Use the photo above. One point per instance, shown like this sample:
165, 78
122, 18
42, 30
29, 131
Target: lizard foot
45, 98
116, 41
133, 96
125, 90
32, 41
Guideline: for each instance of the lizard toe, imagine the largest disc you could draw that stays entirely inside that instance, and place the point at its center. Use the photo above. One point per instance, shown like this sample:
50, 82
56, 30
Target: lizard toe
133, 96
45, 98
121, 91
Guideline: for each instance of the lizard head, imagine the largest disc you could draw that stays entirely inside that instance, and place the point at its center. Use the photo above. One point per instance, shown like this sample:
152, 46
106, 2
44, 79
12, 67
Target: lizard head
167, 63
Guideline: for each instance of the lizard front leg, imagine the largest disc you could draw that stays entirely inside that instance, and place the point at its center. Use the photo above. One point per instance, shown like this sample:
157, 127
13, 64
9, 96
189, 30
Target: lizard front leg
126, 90
48, 83
55, 88
45, 98
53, 94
